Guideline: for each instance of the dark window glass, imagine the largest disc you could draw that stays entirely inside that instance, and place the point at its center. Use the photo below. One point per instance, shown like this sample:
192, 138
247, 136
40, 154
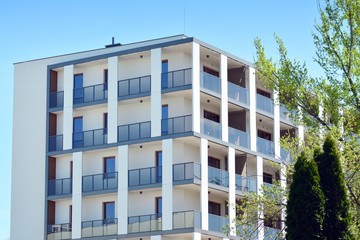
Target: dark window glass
267, 178
105, 123
211, 71
78, 88
211, 116
105, 79
109, 164
159, 165
214, 162
164, 117
78, 125
263, 93
264, 135
158, 206
78, 132
214, 208
164, 75
109, 210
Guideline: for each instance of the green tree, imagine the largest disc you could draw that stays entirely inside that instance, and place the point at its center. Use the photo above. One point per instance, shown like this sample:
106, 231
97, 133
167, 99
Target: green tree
305, 206
337, 218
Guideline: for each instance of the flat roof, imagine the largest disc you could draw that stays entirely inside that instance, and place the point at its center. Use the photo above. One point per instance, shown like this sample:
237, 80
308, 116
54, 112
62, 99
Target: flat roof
101, 53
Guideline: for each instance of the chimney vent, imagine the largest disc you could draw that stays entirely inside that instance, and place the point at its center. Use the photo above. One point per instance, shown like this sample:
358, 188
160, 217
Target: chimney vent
113, 44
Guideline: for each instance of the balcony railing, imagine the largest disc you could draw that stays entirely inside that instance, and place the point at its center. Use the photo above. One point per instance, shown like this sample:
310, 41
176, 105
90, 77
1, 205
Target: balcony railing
90, 138
55, 143
265, 104
59, 231
238, 137
285, 155
210, 82
218, 176
186, 219
134, 86
265, 146
186, 171
217, 223
210, 128
90, 94
96, 228
271, 233
245, 184
238, 93
58, 187
134, 131
145, 176
56, 99
98, 182
284, 113
144, 223
175, 125
175, 79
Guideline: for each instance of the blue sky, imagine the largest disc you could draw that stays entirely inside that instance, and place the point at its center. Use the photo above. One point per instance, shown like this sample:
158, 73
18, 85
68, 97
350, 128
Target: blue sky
35, 29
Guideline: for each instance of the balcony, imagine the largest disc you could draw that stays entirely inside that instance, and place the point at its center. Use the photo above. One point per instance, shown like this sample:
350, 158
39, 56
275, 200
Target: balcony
90, 94
99, 182
90, 138
264, 104
238, 137
59, 231
186, 219
56, 99
210, 83
285, 114
145, 176
144, 223
176, 79
134, 87
265, 146
217, 223
55, 143
97, 228
134, 131
176, 125
186, 171
285, 155
218, 176
211, 128
271, 233
245, 184
58, 187
238, 94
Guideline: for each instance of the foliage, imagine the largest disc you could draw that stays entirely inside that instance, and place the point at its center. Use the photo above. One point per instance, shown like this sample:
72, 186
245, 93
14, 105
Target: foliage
306, 203
337, 218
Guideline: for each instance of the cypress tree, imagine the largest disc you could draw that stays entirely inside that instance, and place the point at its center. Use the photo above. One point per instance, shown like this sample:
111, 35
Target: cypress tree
305, 206
337, 216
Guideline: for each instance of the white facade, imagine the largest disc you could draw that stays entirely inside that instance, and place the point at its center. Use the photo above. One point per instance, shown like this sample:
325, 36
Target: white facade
147, 140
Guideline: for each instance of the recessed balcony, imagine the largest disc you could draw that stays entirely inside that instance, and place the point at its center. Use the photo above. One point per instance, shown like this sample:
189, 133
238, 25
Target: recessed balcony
210, 83
265, 146
150, 177
218, 176
211, 128
186, 219
175, 80
98, 228
264, 104
183, 172
55, 143
245, 184
217, 223
56, 99
59, 231
238, 137
238, 94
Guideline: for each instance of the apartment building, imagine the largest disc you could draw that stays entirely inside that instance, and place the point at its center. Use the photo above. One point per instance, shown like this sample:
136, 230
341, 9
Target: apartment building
150, 140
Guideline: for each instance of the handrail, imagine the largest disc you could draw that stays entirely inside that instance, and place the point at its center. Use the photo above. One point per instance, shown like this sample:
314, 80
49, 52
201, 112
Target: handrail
134, 131
145, 176
133, 86
98, 182
179, 124
90, 93
90, 138
176, 78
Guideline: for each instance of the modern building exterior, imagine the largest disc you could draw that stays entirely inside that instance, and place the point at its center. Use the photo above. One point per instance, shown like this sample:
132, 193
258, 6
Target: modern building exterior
150, 140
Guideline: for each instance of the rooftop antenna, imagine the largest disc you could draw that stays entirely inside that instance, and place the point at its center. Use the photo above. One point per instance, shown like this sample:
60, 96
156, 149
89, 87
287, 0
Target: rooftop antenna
113, 44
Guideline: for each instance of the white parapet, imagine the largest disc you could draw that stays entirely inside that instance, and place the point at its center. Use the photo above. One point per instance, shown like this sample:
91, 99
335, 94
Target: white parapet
77, 195
224, 97
122, 164
196, 87
156, 92
204, 184
167, 184
112, 99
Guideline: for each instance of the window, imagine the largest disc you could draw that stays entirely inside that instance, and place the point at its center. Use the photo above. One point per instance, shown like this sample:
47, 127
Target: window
211, 116
70, 214
105, 79
214, 162
164, 74
158, 157
214, 208
105, 123
108, 212
78, 137
158, 206
267, 178
211, 71
109, 167
71, 169
263, 93
78, 88
264, 135
164, 117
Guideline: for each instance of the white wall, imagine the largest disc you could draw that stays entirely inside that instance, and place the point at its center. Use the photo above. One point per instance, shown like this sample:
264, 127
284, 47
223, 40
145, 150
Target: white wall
143, 204
178, 106
177, 60
93, 161
63, 166
62, 211
143, 157
93, 206
185, 200
93, 117
184, 153
133, 111
92, 73
133, 68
